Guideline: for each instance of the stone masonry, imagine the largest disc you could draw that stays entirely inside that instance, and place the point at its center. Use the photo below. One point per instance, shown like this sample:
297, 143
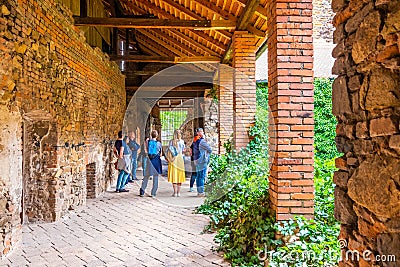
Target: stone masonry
366, 104
291, 124
61, 104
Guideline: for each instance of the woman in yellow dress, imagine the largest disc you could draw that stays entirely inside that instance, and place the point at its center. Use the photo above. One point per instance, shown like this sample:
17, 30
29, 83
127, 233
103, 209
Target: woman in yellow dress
176, 165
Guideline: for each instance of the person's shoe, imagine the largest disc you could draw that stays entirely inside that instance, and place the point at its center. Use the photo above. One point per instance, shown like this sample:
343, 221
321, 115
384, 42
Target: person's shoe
141, 195
153, 196
191, 189
123, 190
117, 191
201, 194
174, 195
178, 195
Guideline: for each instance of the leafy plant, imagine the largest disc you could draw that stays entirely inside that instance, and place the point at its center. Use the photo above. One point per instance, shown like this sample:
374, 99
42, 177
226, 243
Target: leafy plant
238, 206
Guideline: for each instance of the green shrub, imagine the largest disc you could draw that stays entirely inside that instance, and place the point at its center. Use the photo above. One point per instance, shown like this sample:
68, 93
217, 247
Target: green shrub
237, 200
325, 122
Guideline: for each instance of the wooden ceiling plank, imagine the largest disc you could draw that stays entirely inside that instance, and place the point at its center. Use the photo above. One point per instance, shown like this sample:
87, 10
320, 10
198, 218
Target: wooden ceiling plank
154, 46
193, 42
162, 34
161, 42
158, 11
199, 45
213, 8
193, 15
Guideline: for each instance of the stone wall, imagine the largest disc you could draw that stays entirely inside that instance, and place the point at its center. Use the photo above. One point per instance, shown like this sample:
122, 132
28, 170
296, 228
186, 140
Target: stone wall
210, 111
367, 106
61, 104
322, 20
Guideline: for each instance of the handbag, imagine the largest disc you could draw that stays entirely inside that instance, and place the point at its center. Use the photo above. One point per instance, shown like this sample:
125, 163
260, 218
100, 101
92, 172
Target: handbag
120, 164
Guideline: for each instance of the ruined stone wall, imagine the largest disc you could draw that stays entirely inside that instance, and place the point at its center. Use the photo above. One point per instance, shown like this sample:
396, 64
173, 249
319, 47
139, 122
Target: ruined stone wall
210, 111
61, 104
322, 20
367, 106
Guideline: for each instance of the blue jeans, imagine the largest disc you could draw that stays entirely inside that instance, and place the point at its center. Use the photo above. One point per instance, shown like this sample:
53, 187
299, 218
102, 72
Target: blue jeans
121, 181
200, 178
134, 167
144, 165
144, 185
193, 179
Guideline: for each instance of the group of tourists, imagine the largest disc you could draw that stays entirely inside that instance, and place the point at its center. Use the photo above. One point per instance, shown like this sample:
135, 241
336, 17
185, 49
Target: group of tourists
126, 150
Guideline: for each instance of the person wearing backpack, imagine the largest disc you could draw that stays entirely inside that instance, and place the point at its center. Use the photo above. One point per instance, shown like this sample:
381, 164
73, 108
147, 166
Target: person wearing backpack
176, 164
201, 159
153, 164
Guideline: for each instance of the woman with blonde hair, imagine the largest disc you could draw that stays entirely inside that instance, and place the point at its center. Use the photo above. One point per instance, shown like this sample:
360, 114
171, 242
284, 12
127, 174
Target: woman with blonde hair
176, 165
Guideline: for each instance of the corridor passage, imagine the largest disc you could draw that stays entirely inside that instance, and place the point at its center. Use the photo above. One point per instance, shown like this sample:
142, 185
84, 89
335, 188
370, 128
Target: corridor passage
121, 229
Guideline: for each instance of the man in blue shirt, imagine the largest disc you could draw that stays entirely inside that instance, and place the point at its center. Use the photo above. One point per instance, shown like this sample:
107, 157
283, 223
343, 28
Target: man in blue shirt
134, 147
201, 157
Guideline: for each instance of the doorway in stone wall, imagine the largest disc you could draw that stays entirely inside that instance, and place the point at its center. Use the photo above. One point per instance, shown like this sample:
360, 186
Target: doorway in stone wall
39, 168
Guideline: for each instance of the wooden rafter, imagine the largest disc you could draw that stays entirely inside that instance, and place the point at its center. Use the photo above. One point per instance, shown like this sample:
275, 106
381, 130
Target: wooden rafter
150, 44
182, 88
164, 59
161, 42
193, 42
161, 74
213, 8
193, 15
242, 24
260, 10
189, 50
161, 12
141, 23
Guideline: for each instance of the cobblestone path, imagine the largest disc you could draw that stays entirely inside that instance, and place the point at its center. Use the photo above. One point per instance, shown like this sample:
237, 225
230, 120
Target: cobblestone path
122, 229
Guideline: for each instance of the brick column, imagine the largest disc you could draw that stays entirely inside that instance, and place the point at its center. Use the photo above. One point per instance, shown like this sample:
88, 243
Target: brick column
290, 82
244, 86
225, 105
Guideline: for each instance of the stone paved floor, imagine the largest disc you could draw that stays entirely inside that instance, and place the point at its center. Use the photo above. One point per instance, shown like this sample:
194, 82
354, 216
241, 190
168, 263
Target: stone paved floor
122, 229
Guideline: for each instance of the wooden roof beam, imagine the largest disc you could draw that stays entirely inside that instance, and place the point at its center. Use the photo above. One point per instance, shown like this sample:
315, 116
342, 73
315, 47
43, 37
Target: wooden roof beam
159, 11
242, 24
142, 23
194, 15
193, 42
140, 11
165, 59
213, 8
171, 40
153, 46
260, 10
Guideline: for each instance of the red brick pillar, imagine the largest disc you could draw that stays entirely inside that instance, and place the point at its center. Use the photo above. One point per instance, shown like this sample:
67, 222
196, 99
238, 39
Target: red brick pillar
244, 86
225, 105
290, 82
